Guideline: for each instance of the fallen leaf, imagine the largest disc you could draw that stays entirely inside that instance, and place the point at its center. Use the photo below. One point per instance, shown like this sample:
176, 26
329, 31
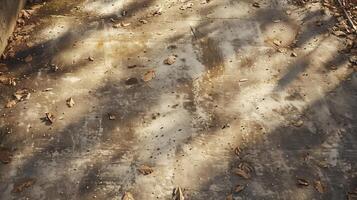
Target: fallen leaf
243, 170
22, 94
127, 196
237, 151
277, 42
298, 123
28, 59
319, 187
293, 54
5, 156
145, 170
170, 60
111, 116
70, 102
242, 173
149, 75
177, 194
23, 184
50, 117
302, 182
143, 21
10, 104
239, 188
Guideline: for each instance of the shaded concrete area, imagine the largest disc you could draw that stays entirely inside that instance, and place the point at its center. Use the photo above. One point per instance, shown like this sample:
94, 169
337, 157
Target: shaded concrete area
257, 85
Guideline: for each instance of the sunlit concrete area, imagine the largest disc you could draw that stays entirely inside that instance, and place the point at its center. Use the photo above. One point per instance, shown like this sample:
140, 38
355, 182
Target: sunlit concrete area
178, 99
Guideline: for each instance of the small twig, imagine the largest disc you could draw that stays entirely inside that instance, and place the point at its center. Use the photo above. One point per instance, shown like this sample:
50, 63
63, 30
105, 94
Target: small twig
347, 15
193, 32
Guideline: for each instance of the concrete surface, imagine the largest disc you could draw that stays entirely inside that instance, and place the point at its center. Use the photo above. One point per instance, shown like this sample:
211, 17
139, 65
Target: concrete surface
291, 117
9, 10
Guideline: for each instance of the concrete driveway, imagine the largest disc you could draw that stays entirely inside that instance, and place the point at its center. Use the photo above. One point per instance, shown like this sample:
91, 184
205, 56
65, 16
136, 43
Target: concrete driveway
226, 99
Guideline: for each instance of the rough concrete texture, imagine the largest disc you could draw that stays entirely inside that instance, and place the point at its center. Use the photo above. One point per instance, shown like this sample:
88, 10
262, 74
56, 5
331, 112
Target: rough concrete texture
231, 86
9, 10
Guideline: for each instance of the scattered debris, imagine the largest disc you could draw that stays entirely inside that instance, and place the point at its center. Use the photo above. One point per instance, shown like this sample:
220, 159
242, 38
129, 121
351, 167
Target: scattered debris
127, 196
319, 187
50, 117
145, 170
70, 102
149, 75
170, 60
5, 156
23, 184
177, 194
302, 182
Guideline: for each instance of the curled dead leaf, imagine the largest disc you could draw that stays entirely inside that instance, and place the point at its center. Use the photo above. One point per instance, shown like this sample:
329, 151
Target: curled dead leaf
70, 102
242, 173
127, 196
145, 170
170, 60
10, 104
149, 75
22, 94
50, 117
111, 116
177, 194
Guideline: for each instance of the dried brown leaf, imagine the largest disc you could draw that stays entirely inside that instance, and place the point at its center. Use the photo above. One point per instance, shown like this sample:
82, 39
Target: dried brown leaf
50, 117
145, 170
21, 185
177, 194
127, 196
70, 102
149, 75
10, 104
